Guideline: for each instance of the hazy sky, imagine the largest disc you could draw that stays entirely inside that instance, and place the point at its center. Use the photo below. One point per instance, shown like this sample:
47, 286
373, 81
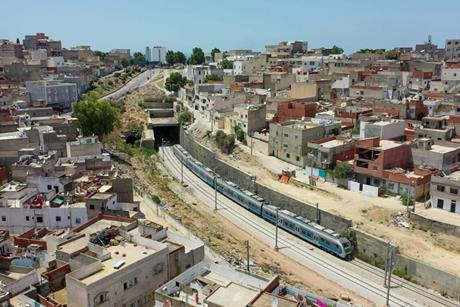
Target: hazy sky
232, 24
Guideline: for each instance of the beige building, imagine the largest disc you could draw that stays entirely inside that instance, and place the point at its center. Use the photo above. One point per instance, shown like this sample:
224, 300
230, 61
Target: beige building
250, 118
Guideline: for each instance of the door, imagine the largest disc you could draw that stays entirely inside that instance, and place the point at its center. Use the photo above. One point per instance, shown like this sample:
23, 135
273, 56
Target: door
452, 207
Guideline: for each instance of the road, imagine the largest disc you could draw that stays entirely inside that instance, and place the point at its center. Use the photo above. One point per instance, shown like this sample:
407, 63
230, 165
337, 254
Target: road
133, 84
355, 275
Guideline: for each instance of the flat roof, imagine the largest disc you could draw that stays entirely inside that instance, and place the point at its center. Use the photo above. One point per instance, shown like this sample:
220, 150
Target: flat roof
442, 149
234, 295
268, 299
332, 143
387, 144
127, 252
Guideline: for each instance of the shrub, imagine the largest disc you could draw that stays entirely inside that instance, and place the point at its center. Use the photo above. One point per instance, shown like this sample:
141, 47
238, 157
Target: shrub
225, 142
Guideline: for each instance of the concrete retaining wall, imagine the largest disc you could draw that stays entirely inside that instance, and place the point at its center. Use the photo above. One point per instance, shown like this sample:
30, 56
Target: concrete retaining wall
249, 182
419, 272
436, 225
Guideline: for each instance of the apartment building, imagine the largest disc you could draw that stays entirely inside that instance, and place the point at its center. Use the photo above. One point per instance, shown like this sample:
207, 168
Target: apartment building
424, 152
53, 93
452, 49
156, 54
444, 192
326, 152
294, 109
450, 77
386, 163
9, 49
385, 130
288, 141
250, 118
436, 128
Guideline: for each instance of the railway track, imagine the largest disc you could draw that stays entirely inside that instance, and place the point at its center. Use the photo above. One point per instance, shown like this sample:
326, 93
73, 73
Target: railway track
301, 253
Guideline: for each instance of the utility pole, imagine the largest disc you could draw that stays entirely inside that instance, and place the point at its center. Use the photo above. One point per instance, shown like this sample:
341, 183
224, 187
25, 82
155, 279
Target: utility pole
181, 171
215, 192
317, 213
386, 264
390, 266
276, 229
247, 254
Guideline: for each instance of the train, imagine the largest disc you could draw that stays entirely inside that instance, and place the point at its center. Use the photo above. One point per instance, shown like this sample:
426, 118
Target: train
301, 227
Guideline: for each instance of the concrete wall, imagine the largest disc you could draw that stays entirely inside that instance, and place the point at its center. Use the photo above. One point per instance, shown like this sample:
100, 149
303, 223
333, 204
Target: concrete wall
420, 272
246, 181
436, 225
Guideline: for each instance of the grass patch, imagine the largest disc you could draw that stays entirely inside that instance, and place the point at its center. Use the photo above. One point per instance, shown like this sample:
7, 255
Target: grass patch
373, 260
402, 273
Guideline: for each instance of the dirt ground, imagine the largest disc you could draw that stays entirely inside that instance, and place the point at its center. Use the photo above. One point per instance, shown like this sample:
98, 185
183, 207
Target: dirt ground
372, 214
217, 233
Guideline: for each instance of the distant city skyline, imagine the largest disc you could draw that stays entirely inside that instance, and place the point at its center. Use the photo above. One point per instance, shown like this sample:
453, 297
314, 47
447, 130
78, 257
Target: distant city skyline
182, 25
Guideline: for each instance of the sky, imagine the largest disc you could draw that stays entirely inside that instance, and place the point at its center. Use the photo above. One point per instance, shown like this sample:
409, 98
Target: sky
235, 24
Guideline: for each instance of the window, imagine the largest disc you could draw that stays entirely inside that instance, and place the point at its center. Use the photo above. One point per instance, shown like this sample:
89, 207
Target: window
130, 283
27, 218
286, 135
78, 220
288, 155
39, 219
91, 207
453, 191
297, 158
440, 204
3, 218
440, 188
374, 167
391, 186
285, 145
58, 218
49, 186
101, 298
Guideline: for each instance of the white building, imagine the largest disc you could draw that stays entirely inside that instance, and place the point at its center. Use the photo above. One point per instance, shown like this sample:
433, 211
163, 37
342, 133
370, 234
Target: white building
450, 77
55, 61
156, 54
385, 130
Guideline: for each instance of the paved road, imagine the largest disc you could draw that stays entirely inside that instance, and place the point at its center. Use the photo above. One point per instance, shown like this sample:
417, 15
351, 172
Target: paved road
354, 275
133, 84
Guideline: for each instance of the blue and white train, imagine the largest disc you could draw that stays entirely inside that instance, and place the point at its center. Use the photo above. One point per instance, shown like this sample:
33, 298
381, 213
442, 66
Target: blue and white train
301, 227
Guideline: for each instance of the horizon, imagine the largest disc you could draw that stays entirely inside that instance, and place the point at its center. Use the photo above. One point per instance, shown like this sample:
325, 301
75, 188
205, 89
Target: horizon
242, 25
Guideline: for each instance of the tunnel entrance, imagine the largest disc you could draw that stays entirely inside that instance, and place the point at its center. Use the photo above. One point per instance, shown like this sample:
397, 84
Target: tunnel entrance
167, 135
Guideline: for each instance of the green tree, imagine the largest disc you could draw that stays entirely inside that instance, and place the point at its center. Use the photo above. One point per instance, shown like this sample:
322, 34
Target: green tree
213, 52
391, 55
125, 62
226, 64
406, 199
197, 57
170, 57
336, 50
135, 130
225, 142
175, 81
138, 57
343, 170
239, 133
180, 57
100, 54
95, 117
185, 117
212, 77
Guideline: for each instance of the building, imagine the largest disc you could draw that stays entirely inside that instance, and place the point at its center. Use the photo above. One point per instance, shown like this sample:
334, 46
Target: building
291, 109
444, 192
326, 152
121, 53
41, 41
126, 272
385, 130
10, 50
216, 285
156, 54
387, 163
250, 118
452, 49
367, 91
22, 207
436, 128
53, 93
450, 77
427, 154
288, 141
